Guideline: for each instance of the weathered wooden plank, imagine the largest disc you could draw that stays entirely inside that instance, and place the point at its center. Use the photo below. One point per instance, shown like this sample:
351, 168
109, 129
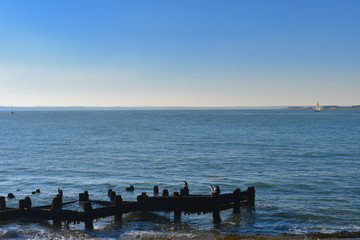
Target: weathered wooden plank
60, 215
10, 214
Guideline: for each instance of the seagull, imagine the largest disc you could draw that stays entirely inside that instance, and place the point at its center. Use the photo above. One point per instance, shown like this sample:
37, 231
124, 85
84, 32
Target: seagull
215, 189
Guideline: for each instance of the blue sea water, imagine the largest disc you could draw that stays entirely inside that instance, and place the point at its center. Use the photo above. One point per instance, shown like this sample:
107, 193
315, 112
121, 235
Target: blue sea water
305, 167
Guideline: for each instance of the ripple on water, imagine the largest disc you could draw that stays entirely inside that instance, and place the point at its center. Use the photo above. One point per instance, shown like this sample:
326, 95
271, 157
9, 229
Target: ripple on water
297, 172
260, 185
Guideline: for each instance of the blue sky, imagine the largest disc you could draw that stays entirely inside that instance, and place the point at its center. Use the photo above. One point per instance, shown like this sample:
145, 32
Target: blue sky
179, 52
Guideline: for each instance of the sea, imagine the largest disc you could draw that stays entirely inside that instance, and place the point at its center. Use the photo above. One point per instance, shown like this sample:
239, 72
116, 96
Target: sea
304, 165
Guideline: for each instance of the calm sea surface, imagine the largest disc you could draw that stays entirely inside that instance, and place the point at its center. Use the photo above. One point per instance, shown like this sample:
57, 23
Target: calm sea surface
305, 167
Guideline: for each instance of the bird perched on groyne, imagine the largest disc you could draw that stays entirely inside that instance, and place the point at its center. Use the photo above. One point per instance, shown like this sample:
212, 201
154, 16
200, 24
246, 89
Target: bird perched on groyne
185, 191
60, 191
215, 189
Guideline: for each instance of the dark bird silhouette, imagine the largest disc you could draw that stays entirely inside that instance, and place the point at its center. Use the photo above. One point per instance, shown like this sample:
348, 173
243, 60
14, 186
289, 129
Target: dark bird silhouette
185, 190
215, 189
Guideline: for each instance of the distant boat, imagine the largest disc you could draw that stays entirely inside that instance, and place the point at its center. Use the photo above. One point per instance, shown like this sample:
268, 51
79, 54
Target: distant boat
11, 111
317, 107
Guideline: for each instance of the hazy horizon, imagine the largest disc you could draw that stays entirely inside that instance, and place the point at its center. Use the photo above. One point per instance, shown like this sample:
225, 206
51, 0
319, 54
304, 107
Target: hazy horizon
134, 107
41, 108
179, 53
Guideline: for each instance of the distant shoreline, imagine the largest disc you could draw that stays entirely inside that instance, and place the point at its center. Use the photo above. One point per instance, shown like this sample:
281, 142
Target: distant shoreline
326, 107
82, 108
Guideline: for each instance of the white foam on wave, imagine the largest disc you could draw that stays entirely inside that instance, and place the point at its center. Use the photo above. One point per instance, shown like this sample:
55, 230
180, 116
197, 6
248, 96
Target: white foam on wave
32, 231
152, 234
3, 233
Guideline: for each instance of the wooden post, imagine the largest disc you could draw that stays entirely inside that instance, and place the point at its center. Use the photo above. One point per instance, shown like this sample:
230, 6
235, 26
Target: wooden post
251, 196
236, 200
56, 206
88, 215
112, 196
156, 190
86, 193
59, 195
216, 217
21, 204
56, 203
81, 197
182, 192
186, 191
142, 200
118, 204
2, 202
84, 196
27, 203
165, 193
177, 215
216, 209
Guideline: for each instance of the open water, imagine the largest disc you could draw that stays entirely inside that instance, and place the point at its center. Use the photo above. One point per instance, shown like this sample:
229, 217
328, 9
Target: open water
305, 167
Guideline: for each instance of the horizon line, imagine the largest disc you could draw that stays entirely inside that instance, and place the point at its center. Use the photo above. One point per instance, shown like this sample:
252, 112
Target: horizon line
136, 107
144, 107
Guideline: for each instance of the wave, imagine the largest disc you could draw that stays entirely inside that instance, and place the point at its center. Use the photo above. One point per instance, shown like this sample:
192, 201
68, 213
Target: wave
156, 235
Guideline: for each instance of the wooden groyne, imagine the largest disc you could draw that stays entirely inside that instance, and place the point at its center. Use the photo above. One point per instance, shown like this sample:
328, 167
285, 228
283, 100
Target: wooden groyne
178, 202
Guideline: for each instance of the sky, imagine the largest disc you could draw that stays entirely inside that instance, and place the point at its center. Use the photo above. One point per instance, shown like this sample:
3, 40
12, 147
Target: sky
194, 53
